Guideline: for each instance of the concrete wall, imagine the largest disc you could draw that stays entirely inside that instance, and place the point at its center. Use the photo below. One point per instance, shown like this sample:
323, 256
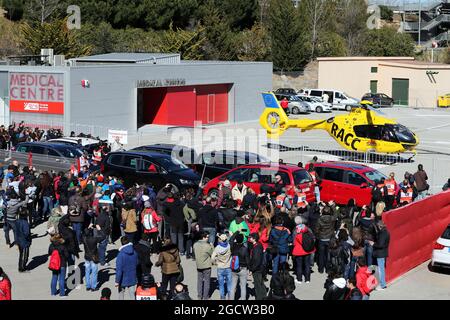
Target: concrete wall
308, 78
111, 99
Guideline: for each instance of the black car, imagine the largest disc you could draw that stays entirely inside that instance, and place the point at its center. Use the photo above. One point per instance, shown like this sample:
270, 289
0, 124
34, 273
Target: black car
379, 99
209, 164
50, 149
148, 166
285, 91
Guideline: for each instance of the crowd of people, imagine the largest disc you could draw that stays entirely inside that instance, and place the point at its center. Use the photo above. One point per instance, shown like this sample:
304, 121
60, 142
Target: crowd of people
272, 238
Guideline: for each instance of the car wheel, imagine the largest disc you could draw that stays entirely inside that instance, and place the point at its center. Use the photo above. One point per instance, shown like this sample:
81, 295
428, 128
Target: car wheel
319, 109
213, 193
348, 108
295, 110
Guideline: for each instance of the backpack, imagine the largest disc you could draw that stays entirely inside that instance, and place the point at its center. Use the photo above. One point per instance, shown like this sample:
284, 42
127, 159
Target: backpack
55, 261
147, 220
235, 267
308, 241
74, 210
22, 211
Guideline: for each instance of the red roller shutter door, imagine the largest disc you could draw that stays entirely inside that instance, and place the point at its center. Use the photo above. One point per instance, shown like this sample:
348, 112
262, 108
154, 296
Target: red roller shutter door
212, 103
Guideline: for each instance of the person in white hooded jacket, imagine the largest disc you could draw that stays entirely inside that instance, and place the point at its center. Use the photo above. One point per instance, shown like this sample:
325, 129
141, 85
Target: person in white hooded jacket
221, 256
239, 191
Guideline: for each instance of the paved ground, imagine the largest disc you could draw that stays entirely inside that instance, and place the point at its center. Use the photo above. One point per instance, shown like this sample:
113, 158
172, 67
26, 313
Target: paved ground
35, 285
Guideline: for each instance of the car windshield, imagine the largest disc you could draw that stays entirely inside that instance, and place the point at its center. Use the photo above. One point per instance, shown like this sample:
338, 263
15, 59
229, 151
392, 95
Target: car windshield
374, 175
446, 234
172, 164
71, 153
295, 98
301, 176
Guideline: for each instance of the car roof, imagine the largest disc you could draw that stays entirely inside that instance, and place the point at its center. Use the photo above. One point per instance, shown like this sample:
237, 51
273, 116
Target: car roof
163, 146
286, 166
84, 141
345, 165
153, 154
49, 144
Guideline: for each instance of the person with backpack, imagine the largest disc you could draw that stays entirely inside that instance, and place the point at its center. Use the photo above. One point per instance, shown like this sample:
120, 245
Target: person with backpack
143, 250
240, 260
12, 209
70, 239
203, 251
337, 257
126, 264
150, 221
59, 255
23, 240
91, 258
282, 284
256, 266
279, 240
53, 221
5, 286
304, 246
170, 263
353, 293
222, 257
77, 207
365, 280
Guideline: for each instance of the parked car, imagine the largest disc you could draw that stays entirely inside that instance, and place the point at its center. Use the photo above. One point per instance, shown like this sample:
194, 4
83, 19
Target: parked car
50, 149
338, 99
208, 164
148, 166
285, 91
342, 181
379, 99
441, 250
87, 144
296, 106
256, 175
316, 104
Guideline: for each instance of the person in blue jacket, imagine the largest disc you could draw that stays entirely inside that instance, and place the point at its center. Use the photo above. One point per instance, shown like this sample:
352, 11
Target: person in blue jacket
279, 240
23, 240
126, 264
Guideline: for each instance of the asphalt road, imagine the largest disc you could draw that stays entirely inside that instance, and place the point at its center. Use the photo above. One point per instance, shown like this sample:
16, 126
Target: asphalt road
35, 285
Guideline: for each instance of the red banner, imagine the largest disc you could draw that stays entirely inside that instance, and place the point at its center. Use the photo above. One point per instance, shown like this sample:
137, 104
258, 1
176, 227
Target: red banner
37, 107
413, 230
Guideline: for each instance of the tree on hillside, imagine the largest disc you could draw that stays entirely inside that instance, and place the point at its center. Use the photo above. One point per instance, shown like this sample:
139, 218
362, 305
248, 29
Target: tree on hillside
188, 43
53, 35
387, 42
240, 14
159, 14
352, 23
10, 38
101, 37
41, 10
254, 44
316, 17
14, 9
285, 32
220, 41
386, 13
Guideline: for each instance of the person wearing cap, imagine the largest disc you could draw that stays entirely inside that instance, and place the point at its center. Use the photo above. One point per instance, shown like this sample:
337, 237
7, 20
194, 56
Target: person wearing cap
241, 252
256, 266
208, 218
221, 256
148, 290
239, 191
302, 257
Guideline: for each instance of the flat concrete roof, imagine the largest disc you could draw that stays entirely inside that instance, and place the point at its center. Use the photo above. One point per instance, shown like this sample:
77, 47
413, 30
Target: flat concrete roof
416, 64
128, 57
365, 58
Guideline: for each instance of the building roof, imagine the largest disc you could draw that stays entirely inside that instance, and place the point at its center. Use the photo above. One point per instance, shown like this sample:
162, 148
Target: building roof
365, 59
416, 64
125, 57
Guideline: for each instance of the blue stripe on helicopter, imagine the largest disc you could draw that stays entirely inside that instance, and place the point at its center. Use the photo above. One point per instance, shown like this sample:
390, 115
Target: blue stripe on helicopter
270, 101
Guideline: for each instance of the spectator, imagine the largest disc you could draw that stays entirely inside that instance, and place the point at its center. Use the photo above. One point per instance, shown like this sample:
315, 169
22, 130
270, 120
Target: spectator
143, 250
256, 266
181, 293
221, 256
203, 251
316, 179
91, 259
239, 191
59, 275
239, 225
129, 221
126, 263
103, 226
77, 206
353, 292
12, 209
173, 210
240, 254
106, 294
169, 261
70, 239
208, 218
279, 240
420, 178
380, 250
23, 240
5, 286
336, 287
365, 281
325, 232
148, 290
302, 257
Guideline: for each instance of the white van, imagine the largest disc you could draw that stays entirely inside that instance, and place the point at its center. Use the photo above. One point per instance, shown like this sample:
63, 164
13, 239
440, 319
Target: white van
338, 99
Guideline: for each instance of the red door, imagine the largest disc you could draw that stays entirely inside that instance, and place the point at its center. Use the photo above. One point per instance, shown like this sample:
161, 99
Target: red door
212, 103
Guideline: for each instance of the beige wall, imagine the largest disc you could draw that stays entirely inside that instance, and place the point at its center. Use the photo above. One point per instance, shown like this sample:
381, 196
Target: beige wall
422, 92
352, 77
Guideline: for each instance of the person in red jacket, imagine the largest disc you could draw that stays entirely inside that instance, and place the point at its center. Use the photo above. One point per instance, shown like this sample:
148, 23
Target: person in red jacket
285, 105
302, 257
365, 280
5, 286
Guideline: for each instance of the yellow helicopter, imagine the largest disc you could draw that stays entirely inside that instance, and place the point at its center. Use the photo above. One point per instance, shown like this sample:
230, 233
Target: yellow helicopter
361, 130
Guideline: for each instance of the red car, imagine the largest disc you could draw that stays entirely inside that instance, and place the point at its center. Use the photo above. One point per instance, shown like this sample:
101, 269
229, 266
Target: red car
255, 175
342, 181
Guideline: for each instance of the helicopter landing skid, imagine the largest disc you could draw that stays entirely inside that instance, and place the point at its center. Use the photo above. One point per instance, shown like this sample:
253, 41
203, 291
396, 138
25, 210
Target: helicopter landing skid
354, 156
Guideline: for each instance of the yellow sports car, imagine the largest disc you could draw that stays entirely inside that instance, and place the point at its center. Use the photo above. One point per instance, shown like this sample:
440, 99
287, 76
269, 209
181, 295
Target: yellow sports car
444, 101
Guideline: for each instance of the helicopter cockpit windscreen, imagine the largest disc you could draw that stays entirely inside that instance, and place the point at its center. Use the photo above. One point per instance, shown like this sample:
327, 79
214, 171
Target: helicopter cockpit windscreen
403, 134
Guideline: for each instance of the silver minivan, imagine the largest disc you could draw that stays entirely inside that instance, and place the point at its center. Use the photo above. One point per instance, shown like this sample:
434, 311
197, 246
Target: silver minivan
338, 99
